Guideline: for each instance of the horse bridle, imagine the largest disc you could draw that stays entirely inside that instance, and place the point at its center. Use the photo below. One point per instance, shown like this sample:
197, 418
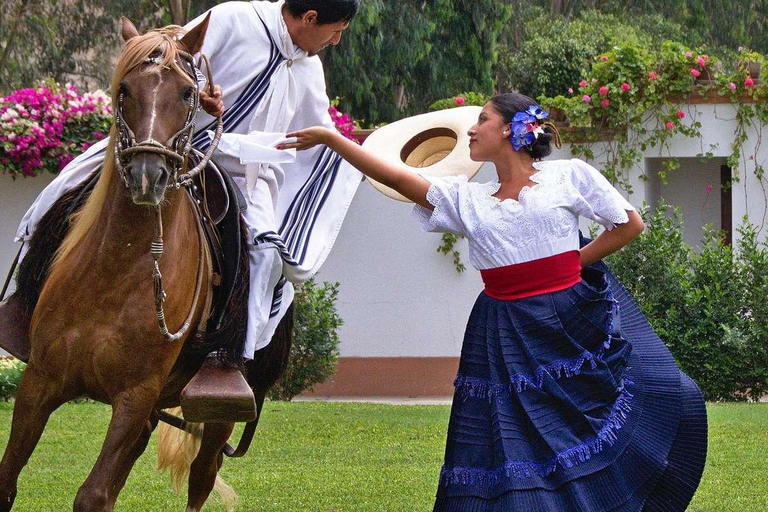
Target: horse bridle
177, 151
178, 147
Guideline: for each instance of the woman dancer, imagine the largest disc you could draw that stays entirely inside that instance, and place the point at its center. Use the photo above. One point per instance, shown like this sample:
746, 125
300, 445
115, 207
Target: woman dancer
565, 400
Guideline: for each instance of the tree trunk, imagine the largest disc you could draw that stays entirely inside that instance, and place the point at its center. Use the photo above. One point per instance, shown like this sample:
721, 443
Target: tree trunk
20, 11
179, 11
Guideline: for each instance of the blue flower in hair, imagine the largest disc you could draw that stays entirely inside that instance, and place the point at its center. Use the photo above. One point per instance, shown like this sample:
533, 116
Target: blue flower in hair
525, 126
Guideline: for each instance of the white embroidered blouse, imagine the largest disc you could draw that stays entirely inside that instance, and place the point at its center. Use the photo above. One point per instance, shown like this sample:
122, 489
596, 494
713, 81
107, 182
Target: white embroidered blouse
542, 222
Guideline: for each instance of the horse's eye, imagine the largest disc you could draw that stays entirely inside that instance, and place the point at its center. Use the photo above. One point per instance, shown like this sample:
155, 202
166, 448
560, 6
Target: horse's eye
188, 93
124, 90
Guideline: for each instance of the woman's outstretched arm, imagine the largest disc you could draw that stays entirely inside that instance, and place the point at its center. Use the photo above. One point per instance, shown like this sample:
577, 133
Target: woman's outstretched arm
409, 184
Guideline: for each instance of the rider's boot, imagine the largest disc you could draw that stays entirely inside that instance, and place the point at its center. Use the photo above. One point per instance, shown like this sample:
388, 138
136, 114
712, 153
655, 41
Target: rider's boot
14, 328
218, 393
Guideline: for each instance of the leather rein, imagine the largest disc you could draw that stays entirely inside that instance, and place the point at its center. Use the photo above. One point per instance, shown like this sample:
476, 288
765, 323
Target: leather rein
176, 151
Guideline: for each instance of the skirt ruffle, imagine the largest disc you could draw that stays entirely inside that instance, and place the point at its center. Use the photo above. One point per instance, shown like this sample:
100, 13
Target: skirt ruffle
569, 401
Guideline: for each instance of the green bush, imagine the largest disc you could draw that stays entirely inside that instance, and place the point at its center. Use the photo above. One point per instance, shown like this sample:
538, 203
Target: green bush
315, 348
464, 99
10, 376
707, 305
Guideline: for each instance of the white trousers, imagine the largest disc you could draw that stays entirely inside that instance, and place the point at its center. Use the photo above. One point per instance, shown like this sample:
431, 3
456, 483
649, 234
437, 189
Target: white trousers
266, 265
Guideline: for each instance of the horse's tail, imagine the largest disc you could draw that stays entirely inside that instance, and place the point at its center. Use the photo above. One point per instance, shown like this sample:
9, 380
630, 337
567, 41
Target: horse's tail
176, 449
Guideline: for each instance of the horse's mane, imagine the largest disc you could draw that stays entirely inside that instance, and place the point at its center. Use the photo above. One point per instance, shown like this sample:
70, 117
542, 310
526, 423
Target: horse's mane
136, 52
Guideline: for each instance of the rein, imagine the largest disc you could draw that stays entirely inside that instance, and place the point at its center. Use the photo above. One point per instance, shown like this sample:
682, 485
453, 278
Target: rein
177, 150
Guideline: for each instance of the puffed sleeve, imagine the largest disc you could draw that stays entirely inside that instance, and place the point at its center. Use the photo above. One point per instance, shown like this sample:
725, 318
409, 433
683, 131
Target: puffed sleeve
597, 198
443, 194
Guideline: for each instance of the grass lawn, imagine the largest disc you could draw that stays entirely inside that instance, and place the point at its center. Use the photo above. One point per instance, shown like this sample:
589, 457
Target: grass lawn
334, 457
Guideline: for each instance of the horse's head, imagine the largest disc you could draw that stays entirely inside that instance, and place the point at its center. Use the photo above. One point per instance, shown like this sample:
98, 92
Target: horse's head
156, 99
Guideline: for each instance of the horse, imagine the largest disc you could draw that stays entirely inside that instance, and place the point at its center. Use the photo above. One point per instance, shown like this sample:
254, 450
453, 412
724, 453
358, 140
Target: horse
94, 327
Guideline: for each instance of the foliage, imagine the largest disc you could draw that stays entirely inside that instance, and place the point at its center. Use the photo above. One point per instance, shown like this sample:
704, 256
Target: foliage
707, 306
381, 85
10, 377
634, 96
461, 100
43, 129
448, 246
555, 53
315, 347
72, 41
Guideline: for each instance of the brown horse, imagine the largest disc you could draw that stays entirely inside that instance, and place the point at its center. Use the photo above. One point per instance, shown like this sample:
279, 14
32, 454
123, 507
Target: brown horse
94, 331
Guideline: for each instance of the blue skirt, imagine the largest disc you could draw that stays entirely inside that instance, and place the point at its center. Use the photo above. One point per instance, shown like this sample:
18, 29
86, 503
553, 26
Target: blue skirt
568, 401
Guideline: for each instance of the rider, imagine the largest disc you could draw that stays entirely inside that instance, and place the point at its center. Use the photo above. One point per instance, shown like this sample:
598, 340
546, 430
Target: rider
264, 61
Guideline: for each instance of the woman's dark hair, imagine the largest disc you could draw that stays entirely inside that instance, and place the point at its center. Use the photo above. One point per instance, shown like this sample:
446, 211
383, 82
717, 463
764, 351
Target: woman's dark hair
508, 104
328, 11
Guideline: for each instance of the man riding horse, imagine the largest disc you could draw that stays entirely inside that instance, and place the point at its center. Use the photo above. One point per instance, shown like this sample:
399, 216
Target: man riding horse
265, 66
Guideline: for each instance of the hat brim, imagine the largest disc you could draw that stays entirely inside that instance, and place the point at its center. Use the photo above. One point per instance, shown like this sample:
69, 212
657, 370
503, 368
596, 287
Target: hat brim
435, 144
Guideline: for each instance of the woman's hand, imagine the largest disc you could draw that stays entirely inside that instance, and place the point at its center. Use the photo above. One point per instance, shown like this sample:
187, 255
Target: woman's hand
214, 105
307, 138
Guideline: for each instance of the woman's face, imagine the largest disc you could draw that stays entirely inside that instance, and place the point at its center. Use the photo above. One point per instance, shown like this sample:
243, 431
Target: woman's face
487, 136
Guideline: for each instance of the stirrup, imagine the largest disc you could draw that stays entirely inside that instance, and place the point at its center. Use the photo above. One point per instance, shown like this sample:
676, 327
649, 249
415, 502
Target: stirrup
218, 394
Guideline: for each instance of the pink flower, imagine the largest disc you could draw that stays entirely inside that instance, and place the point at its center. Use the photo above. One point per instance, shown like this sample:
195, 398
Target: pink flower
625, 87
570, 90
652, 76
751, 157
688, 55
695, 72
680, 114
460, 100
732, 86
705, 57
749, 82
603, 91
604, 58
708, 189
701, 62
670, 125
741, 48
586, 98
605, 103
583, 83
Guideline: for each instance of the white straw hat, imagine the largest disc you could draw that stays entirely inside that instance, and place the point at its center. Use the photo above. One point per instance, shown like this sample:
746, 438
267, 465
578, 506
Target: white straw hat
432, 144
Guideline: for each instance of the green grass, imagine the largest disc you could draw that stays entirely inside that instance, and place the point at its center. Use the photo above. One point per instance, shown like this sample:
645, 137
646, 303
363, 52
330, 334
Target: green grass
331, 457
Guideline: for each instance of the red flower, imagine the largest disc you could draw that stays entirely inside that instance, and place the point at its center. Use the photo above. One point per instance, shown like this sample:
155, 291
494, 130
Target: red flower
670, 125
604, 58
695, 72
603, 91
605, 103
625, 87
680, 114
583, 83
652, 76
749, 82
460, 100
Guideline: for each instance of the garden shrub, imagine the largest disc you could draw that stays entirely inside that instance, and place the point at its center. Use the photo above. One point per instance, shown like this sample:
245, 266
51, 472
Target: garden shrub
10, 377
315, 347
707, 305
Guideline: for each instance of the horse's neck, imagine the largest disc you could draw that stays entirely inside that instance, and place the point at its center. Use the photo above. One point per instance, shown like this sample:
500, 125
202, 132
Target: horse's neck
125, 231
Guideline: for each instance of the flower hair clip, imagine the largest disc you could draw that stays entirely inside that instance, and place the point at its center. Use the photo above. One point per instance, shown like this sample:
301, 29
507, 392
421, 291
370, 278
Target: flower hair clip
527, 126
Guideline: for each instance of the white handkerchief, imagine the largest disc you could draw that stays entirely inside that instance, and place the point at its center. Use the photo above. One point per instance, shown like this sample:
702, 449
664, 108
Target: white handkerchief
256, 147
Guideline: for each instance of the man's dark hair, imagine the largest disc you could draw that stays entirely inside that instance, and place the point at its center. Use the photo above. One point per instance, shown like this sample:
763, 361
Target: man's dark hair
328, 11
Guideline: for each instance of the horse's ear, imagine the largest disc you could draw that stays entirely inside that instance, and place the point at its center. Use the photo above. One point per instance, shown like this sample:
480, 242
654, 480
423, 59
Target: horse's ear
128, 29
192, 41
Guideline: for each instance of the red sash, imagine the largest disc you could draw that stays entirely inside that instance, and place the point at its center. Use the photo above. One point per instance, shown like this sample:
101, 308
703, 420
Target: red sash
544, 275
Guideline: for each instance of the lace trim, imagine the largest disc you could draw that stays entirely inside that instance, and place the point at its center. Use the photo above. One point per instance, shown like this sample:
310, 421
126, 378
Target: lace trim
474, 387
565, 459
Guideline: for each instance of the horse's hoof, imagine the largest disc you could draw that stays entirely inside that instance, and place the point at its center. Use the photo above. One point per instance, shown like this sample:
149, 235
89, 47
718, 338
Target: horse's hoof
218, 394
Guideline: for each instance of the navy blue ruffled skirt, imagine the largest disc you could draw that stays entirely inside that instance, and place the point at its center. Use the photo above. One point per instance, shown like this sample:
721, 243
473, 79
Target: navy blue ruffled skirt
568, 401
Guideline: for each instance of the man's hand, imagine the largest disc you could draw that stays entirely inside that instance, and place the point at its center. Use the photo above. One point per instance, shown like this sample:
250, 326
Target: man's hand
214, 105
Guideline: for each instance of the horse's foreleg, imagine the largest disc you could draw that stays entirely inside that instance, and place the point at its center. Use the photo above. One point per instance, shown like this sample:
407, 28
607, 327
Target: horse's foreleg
205, 467
36, 399
130, 413
136, 451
